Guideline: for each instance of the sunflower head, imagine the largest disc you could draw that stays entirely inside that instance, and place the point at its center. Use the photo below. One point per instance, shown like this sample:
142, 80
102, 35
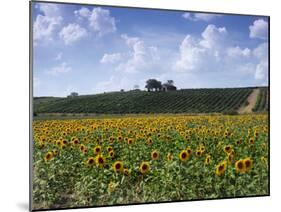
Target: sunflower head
227, 149
126, 172
221, 167
75, 141
202, 148
55, 152
208, 160
111, 154
82, 147
118, 166
154, 155
91, 161
119, 138
239, 142
59, 143
189, 151
109, 149
97, 150
184, 155
100, 160
248, 163
85, 151
240, 166
49, 156
144, 167
198, 153
149, 141
264, 159
130, 141
230, 157
251, 141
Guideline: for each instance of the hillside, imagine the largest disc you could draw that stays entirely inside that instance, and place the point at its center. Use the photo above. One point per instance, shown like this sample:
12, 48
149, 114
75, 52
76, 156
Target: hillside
181, 101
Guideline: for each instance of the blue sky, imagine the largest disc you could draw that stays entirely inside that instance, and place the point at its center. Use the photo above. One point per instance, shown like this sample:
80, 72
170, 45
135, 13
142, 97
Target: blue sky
93, 49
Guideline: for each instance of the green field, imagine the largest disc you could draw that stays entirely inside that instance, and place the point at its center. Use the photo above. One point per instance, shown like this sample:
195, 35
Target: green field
216, 100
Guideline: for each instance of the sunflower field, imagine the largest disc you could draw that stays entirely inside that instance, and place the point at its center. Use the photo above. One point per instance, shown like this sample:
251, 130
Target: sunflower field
155, 158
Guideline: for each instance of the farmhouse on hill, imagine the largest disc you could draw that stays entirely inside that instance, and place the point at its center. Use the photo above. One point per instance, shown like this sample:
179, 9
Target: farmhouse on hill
167, 87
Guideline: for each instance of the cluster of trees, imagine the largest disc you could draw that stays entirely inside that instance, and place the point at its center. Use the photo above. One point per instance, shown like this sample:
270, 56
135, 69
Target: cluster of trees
151, 85
155, 85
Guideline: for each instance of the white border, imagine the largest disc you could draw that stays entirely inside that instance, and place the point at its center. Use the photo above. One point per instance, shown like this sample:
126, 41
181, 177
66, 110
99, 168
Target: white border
15, 104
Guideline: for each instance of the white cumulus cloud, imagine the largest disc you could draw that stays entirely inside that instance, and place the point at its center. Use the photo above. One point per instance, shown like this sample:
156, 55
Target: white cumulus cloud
47, 23
259, 29
140, 56
84, 12
72, 33
110, 58
214, 37
102, 22
215, 51
238, 52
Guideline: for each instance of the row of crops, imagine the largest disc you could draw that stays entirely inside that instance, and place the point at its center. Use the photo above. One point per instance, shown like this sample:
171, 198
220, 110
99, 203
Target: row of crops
181, 101
262, 100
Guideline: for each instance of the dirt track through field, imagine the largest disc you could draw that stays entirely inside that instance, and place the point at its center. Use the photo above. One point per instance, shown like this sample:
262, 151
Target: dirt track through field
252, 101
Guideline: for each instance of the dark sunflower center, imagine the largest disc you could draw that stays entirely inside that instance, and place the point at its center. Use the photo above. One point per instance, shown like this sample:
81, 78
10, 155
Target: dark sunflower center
221, 168
118, 166
144, 167
240, 165
184, 155
91, 161
100, 160
247, 163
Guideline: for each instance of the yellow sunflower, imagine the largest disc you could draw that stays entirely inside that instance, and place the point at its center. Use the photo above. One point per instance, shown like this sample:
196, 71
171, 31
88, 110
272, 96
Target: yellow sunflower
184, 155
49, 156
154, 155
149, 141
240, 166
111, 154
227, 149
220, 169
118, 166
126, 172
97, 150
248, 163
109, 149
144, 167
208, 160
100, 160
91, 161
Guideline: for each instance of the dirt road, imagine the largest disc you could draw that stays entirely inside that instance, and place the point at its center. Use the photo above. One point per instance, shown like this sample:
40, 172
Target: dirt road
252, 101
